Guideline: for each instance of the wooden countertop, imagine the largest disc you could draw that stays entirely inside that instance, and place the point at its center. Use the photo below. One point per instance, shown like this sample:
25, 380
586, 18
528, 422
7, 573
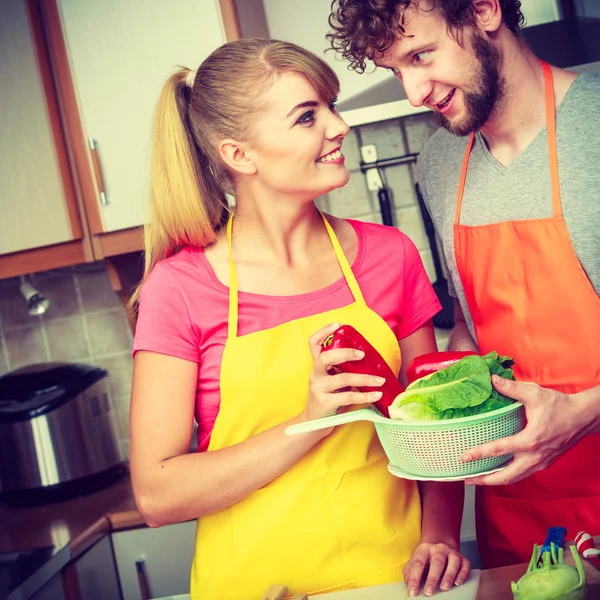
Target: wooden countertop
495, 583
78, 523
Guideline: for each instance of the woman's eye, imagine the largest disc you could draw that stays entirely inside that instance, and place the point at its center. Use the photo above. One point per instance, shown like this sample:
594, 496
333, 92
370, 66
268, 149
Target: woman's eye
307, 117
333, 105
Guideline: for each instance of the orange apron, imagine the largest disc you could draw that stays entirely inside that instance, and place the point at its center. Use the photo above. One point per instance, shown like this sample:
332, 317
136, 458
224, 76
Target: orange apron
530, 298
336, 520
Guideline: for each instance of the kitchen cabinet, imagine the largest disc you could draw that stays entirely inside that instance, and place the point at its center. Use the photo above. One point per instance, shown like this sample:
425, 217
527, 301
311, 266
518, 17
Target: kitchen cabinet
94, 574
37, 202
53, 590
120, 54
153, 563
83, 79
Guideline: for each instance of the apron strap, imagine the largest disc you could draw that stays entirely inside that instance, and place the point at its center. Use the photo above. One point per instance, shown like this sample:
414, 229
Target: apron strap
463, 178
344, 265
232, 324
551, 128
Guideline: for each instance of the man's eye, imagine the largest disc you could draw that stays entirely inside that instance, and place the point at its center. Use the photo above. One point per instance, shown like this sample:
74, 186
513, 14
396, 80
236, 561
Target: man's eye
420, 57
307, 117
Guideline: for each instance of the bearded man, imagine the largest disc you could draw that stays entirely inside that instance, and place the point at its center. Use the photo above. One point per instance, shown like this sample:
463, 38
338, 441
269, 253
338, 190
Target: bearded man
512, 182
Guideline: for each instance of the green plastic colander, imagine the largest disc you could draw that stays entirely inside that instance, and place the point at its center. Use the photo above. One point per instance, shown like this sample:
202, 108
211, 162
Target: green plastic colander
432, 449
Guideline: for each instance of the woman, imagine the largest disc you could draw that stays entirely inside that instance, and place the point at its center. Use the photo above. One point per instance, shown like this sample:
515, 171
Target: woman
227, 306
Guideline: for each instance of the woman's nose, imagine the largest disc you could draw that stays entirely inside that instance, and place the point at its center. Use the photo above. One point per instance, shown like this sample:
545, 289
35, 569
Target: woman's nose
337, 127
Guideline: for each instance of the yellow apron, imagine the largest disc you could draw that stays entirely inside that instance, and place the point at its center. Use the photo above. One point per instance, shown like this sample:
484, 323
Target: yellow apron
337, 520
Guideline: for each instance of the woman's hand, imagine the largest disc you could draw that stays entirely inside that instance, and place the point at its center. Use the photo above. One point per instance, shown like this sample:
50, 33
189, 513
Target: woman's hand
329, 390
447, 567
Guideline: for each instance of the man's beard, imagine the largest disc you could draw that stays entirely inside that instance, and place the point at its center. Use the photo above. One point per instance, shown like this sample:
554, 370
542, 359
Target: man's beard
480, 104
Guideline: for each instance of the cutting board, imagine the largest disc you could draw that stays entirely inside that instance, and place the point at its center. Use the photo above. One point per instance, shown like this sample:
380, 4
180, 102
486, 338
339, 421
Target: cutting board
397, 591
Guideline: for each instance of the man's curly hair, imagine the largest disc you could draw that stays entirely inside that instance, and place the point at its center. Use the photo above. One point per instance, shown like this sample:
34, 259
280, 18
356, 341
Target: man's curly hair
362, 29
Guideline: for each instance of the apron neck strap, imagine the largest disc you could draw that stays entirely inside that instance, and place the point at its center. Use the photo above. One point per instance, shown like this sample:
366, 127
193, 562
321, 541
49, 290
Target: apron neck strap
551, 128
233, 286
232, 325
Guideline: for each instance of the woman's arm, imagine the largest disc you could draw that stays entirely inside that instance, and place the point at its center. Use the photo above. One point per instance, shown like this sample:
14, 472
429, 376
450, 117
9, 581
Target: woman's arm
171, 485
461, 338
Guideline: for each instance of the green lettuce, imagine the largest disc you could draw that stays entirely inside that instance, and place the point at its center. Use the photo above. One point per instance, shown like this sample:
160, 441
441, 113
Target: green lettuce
460, 390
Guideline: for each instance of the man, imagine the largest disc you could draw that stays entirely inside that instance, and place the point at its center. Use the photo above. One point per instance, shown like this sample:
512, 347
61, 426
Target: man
521, 235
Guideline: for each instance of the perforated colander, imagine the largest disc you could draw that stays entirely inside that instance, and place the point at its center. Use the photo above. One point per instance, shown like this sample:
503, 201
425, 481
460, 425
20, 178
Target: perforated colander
432, 448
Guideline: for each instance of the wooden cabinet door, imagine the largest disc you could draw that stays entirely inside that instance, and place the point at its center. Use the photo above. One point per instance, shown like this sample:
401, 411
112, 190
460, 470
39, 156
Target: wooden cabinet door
37, 200
120, 54
155, 562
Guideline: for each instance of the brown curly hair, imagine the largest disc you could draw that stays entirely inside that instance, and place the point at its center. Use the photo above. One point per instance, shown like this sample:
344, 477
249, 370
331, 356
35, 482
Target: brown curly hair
362, 29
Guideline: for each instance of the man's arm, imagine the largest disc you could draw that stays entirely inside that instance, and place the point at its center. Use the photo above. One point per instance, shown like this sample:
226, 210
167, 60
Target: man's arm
555, 423
461, 338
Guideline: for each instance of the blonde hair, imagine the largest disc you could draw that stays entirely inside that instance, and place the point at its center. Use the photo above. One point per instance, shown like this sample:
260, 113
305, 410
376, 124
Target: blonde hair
189, 183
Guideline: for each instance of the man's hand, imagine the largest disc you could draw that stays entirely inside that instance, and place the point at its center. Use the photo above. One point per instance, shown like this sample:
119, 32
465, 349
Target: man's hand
555, 423
447, 566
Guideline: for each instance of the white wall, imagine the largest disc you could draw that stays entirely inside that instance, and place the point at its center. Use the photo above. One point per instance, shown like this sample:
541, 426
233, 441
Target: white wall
305, 23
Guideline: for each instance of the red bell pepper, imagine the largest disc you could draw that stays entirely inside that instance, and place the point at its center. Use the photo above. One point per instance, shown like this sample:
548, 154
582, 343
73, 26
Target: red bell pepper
372, 363
432, 362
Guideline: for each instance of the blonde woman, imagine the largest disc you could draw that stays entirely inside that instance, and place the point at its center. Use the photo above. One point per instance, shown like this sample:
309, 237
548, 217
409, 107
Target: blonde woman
232, 311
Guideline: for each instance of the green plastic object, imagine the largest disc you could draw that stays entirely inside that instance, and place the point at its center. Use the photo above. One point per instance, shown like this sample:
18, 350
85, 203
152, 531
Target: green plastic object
552, 579
432, 448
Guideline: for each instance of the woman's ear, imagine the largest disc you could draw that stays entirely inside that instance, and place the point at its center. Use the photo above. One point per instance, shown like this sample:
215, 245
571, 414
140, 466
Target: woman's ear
488, 14
234, 155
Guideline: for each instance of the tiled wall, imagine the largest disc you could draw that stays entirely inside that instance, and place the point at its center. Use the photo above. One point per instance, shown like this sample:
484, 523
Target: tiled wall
85, 323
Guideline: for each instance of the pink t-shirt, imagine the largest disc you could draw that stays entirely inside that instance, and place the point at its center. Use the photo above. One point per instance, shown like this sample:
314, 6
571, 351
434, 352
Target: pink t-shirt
184, 307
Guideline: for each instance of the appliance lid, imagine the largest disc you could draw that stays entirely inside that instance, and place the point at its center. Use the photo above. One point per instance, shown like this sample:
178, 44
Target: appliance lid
37, 389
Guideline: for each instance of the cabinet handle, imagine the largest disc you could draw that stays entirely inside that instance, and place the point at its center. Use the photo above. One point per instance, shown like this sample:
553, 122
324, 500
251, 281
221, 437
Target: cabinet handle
140, 565
98, 171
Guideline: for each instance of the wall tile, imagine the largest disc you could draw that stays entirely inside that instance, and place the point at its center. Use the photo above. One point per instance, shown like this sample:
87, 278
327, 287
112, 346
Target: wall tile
442, 337
118, 338
400, 182
427, 259
60, 289
3, 358
109, 332
96, 291
13, 307
419, 128
386, 135
351, 151
25, 346
67, 340
322, 203
409, 221
120, 370
351, 200
121, 408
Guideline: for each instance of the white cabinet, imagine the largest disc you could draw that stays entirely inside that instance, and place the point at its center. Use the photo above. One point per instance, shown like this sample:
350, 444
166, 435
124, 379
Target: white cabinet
97, 572
53, 590
158, 559
36, 182
120, 54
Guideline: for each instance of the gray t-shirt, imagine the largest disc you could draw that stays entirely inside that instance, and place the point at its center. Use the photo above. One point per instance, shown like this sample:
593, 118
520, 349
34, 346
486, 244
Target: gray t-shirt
494, 193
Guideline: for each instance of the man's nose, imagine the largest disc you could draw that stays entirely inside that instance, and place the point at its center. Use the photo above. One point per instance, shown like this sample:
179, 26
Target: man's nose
417, 88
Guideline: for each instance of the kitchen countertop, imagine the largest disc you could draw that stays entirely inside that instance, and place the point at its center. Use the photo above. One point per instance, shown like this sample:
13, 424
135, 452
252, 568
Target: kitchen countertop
75, 525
